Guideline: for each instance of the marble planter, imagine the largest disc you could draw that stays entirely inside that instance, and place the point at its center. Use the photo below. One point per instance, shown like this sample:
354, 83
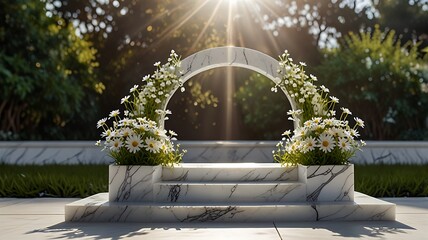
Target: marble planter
132, 183
329, 182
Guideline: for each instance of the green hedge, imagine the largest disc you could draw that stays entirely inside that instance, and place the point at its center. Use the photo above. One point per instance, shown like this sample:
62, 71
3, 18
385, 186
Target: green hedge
52, 180
86, 180
392, 180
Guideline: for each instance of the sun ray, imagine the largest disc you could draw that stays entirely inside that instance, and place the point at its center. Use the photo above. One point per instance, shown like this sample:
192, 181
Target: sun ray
179, 23
272, 39
229, 38
205, 27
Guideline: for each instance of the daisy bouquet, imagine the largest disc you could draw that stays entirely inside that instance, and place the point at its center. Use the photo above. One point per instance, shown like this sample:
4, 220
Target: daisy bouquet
320, 138
137, 137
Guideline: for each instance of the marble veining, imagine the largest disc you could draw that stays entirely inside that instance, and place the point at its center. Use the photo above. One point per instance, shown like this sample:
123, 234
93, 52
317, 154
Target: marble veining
364, 208
174, 192
131, 183
330, 183
211, 214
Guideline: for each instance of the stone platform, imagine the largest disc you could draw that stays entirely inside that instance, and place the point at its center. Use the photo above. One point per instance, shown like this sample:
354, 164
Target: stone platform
230, 192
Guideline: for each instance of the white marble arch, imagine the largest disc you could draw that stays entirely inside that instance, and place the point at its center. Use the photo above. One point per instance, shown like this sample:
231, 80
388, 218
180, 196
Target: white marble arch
230, 57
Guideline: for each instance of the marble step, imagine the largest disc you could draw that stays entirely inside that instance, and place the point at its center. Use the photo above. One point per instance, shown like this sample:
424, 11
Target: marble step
230, 172
97, 208
229, 192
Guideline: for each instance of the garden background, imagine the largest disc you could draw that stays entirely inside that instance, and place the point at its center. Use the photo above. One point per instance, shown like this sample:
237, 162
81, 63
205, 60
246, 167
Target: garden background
66, 64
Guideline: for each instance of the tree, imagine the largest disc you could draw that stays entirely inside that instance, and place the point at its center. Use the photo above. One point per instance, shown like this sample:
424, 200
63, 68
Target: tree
381, 80
47, 75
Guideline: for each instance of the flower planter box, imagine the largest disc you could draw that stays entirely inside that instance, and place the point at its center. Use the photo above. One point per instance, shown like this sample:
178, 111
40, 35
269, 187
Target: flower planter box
329, 182
132, 183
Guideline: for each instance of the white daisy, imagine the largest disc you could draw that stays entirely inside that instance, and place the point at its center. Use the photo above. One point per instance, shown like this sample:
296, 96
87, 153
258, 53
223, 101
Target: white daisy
152, 145
346, 111
354, 133
310, 143
115, 145
344, 144
106, 133
286, 133
160, 132
326, 143
334, 99
133, 143
145, 78
114, 113
124, 99
101, 122
324, 89
134, 88
359, 122
125, 132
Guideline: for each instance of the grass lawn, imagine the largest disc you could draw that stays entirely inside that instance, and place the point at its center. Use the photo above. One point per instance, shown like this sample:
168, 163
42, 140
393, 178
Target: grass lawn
86, 180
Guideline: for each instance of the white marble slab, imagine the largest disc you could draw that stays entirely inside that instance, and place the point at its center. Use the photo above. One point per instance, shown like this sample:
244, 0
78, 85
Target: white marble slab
330, 183
226, 192
230, 172
85, 152
132, 183
97, 208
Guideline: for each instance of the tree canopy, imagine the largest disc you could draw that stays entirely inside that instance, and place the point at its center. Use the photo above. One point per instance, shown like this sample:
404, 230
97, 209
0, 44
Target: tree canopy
47, 74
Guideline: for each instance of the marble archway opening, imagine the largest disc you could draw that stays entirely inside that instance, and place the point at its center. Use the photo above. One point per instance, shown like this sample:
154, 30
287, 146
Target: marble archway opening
230, 57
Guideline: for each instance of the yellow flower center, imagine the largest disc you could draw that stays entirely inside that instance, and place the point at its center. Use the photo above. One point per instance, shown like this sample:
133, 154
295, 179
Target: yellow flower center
134, 143
325, 143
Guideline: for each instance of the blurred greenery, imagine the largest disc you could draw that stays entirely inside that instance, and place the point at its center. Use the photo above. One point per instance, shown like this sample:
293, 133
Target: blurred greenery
47, 73
64, 53
85, 180
381, 80
264, 113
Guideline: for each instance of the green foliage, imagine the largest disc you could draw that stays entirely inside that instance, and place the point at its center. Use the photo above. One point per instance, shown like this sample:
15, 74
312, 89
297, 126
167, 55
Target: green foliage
46, 74
52, 180
381, 80
264, 112
85, 180
392, 180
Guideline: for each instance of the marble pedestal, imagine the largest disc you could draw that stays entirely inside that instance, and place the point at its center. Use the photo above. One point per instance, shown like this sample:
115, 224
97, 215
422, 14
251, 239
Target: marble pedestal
233, 192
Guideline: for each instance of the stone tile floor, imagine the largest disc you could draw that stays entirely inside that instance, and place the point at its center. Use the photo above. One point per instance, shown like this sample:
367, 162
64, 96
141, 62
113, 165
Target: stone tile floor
43, 218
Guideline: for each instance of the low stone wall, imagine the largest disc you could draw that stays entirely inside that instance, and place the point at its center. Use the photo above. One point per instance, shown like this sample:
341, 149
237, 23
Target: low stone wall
85, 152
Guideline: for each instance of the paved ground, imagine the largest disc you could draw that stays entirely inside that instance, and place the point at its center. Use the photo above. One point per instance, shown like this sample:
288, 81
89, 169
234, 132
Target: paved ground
43, 218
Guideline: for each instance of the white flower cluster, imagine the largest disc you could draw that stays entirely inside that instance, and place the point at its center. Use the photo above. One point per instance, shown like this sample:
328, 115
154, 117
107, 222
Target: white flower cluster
307, 96
157, 89
134, 135
139, 133
321, 135
325, 135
